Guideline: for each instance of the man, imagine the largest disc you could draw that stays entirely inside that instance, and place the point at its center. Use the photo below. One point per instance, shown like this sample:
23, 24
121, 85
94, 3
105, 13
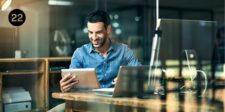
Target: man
103, 54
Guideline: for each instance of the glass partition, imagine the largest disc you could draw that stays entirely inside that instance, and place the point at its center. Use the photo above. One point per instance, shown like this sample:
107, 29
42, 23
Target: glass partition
180, 35
190, 57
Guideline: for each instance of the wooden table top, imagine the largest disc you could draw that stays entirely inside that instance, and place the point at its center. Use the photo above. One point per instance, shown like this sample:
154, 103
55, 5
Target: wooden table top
134, 102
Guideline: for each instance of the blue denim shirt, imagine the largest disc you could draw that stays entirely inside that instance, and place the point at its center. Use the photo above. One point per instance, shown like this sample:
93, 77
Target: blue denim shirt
106, 67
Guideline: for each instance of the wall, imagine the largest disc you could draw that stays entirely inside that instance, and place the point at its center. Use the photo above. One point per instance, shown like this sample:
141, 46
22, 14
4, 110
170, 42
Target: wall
219, 16
34, 33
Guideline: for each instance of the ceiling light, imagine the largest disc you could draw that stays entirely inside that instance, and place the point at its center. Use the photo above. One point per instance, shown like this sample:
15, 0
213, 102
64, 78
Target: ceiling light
118, 31
59, 2
115, 24
4, 4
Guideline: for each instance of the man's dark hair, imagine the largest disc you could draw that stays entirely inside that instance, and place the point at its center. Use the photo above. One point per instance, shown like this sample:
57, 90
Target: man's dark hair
99, 16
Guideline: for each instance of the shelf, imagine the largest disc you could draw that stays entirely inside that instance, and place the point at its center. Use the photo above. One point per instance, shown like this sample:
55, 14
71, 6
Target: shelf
55, 59
17, 60
21, 72
53, 76
38, 87
54, 72
58, 59
22, 69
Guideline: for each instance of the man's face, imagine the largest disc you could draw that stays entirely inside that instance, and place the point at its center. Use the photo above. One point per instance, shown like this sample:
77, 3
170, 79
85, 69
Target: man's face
97, 34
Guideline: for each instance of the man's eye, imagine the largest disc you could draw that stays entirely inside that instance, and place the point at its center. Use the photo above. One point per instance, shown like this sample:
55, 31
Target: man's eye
99, 32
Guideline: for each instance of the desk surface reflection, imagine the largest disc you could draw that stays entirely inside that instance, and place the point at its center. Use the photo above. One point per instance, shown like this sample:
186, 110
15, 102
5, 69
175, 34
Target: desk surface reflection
172, 102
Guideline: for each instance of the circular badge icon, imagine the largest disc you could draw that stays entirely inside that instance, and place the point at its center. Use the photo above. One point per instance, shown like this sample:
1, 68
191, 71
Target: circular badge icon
17, 17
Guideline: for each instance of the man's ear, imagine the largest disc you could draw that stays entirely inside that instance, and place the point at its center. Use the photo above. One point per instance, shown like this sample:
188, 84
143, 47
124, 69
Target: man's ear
109, 28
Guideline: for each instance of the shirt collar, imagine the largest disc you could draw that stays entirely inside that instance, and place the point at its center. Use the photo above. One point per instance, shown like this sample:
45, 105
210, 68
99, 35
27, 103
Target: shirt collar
111, 47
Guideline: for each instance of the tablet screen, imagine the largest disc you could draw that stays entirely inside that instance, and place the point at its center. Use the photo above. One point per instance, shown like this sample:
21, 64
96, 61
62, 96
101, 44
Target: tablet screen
87, 77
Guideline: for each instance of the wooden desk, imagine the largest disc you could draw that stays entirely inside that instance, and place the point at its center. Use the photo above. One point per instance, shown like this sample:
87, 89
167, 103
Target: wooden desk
74, 102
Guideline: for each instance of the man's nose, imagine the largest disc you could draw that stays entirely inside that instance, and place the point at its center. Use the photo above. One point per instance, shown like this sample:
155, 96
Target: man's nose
94, 36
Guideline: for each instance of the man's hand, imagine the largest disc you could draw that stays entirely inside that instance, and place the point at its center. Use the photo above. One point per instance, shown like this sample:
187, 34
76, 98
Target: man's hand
68, 82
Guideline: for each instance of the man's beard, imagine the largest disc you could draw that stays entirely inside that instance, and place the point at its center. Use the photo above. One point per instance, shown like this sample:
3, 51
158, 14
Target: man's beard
101, 42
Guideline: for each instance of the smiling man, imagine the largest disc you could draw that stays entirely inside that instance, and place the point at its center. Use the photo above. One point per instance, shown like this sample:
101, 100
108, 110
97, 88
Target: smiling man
103, 54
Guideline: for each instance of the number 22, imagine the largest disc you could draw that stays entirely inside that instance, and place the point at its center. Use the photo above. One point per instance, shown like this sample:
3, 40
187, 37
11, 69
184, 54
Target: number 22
17, 17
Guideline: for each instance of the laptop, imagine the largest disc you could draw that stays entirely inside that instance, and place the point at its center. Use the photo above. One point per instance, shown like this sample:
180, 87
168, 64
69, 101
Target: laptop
87, 78
131, 82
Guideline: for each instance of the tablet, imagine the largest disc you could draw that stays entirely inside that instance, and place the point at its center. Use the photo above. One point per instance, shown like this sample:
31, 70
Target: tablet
87, 77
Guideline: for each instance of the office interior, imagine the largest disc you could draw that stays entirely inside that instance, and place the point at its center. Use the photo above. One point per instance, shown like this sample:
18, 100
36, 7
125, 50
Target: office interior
188, 65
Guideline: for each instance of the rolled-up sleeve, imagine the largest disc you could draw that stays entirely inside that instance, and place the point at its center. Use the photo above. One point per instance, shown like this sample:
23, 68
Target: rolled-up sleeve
130, 58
